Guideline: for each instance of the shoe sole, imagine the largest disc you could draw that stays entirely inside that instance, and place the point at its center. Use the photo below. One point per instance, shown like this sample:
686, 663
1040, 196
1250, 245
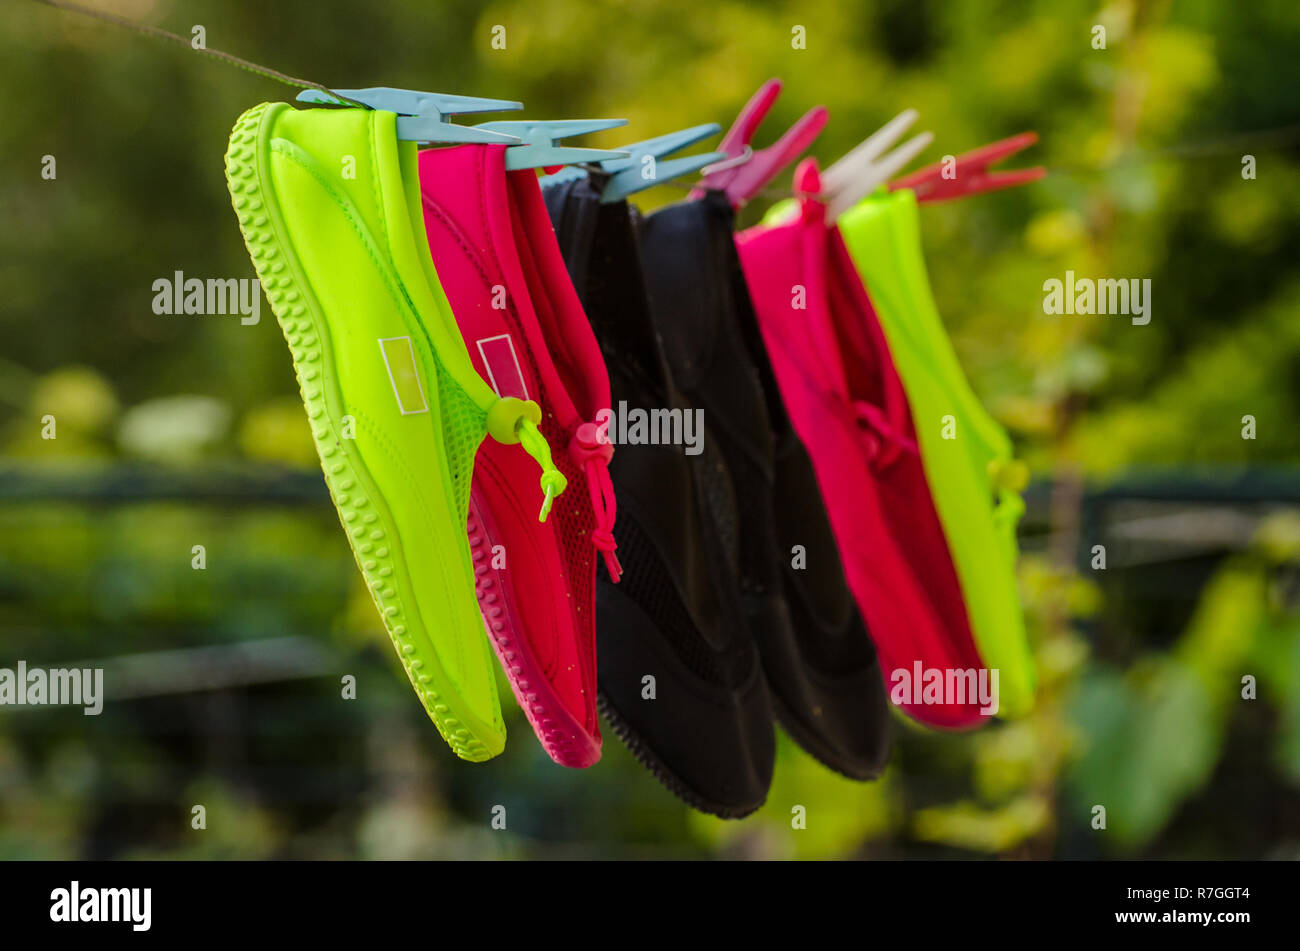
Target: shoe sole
561, 736
811, 744
646, 757
362, 511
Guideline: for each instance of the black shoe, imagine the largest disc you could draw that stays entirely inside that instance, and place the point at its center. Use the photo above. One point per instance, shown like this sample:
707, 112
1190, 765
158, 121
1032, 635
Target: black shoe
820, 663
676, 615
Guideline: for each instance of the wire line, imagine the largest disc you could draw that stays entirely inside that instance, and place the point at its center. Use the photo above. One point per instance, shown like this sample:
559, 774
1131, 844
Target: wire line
158, 33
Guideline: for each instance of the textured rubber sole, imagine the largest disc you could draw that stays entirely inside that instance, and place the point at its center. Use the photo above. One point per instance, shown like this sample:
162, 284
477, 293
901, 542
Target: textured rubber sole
646, 757
362, 512
563, 738
811, 744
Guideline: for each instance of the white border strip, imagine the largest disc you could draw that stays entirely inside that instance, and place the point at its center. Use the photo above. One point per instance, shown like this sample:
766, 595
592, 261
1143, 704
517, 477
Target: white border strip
514, 356
414, 367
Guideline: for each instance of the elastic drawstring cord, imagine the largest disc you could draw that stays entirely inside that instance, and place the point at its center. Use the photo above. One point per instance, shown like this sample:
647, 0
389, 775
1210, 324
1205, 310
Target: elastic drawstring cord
892, 442
553, 481
511, 420
591, 449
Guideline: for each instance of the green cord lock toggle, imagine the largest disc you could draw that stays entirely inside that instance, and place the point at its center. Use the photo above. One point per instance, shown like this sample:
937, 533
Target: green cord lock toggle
511, 420
1010, 474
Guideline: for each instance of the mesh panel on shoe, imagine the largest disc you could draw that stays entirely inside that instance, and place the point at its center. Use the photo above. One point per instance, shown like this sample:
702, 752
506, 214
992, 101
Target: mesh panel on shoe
574, 521
647, 582
463, 428
757, 547
720, 495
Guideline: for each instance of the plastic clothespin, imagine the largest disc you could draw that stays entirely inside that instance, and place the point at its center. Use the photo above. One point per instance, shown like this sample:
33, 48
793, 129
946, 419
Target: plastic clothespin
538, 139
747, 170
969, 174
422, 116
627, 175
862, 170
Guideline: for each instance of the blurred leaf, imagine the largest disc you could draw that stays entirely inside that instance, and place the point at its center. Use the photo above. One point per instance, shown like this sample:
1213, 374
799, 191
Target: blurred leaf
967, 826
174, 428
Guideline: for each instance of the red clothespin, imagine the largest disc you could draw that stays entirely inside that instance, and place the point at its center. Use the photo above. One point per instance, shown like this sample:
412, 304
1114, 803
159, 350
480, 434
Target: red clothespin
747, 170
971, 176
808, 190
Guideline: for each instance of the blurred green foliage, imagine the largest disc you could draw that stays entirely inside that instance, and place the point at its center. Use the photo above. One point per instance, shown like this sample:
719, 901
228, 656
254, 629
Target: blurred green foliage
1141, 708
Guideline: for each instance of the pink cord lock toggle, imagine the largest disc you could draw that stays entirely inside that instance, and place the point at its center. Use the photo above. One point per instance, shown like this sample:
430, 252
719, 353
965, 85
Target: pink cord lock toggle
591, 441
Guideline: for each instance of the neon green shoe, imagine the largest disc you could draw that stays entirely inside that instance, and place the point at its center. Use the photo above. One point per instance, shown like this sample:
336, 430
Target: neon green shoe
968, 472
329, 205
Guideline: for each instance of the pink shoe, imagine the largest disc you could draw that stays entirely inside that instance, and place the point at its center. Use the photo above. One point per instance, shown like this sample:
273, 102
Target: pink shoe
497, 258
848, 405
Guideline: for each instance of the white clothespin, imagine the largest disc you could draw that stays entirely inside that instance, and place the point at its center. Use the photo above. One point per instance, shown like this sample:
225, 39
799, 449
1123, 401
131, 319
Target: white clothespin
864, 169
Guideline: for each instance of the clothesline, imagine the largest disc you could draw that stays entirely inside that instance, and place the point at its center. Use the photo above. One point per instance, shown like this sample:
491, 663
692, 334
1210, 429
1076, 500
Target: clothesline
159, 33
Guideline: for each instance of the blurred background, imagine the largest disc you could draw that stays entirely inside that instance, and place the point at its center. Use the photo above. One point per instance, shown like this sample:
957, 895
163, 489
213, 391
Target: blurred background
224, 684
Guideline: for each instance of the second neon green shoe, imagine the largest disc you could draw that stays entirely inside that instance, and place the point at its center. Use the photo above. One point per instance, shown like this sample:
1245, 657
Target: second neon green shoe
967, 455
329, 205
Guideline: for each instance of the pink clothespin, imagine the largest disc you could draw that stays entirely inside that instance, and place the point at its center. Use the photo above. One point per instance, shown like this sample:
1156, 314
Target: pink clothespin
971, 175
808, 189
747, 171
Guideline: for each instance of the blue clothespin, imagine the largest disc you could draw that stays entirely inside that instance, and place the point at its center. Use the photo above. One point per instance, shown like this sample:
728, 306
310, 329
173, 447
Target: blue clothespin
422, 116
628, 175
539, 138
